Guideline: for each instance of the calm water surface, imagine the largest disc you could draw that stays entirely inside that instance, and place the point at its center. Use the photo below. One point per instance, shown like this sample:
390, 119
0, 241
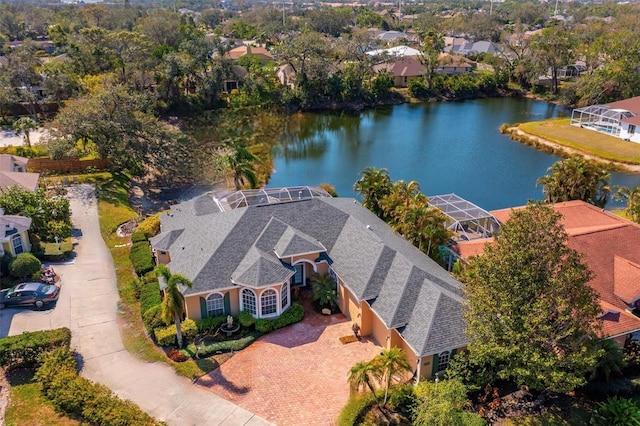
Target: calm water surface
447, 147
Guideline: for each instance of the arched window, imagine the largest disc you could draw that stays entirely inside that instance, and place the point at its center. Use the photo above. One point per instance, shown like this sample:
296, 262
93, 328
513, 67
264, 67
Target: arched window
249, 301
17, 244
268, 302
284, 296
215, 305
443, 361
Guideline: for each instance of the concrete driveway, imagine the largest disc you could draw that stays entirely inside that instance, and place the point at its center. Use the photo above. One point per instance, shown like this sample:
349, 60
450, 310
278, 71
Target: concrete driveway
88, 306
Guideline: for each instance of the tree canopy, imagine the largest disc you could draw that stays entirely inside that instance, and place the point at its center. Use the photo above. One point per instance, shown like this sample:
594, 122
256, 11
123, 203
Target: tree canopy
576, 178
531, 316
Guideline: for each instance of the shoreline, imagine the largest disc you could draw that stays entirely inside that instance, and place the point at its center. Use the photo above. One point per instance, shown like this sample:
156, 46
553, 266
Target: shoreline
519, 135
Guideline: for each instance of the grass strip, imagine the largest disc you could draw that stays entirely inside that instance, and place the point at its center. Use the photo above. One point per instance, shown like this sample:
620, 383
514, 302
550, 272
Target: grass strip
607, 147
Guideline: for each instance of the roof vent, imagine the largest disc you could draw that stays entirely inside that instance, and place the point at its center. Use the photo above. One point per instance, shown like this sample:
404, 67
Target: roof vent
368, 226
182, 248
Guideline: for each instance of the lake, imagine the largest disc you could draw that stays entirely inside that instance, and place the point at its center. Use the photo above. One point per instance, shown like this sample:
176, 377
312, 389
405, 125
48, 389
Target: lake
453, 147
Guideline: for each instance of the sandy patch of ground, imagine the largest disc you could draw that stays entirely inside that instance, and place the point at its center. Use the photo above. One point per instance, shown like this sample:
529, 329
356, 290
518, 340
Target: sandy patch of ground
631, 168
9, 138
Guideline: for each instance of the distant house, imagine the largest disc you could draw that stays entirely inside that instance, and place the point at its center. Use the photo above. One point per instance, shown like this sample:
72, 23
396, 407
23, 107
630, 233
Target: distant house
14, 234
13, 172
454, 44
286, 75
249, 250
260, 53
454, 64
388, 37
403, 70
609, 245
397, 51
620, 119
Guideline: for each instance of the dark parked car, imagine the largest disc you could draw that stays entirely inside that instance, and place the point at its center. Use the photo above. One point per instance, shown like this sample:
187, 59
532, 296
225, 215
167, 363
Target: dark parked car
29, 294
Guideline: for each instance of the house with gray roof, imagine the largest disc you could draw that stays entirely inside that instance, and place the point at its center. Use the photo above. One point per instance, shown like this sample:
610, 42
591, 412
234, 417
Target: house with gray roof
251, 256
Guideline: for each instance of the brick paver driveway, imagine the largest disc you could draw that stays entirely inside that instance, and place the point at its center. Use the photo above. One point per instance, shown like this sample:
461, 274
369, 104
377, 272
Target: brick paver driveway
296, 375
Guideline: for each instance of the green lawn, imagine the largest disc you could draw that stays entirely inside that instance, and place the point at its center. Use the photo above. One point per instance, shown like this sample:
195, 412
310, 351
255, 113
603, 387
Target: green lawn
588, 141
114, 209
29, 407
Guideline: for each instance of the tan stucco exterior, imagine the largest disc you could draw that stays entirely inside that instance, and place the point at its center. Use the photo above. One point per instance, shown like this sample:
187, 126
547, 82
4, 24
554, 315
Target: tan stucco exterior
162, 257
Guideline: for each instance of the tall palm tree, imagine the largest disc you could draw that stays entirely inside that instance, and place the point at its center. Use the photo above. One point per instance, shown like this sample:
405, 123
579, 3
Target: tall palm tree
173, 302
24, 126
400, 195
373, 186
362, 375
241, 163
632, 197
390, 363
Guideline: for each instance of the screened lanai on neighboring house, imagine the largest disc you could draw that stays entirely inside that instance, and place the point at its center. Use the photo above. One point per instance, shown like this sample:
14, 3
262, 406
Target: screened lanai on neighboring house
618, 119
465, 219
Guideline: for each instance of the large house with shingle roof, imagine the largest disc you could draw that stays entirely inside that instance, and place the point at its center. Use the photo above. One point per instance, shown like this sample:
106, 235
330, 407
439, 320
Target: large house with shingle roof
610, 248
247, 253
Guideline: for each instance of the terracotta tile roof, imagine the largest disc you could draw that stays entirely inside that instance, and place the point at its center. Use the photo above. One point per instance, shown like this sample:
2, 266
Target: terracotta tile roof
238, 52
408, 66
626, 279
610, 247
632, 120
616, 321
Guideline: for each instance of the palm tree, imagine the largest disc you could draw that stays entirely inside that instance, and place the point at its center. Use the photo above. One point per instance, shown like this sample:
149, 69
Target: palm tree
632, 198
373, 186
400, 195
241, 163
362, 375
23, 126
173, 302
390, 363
576, 178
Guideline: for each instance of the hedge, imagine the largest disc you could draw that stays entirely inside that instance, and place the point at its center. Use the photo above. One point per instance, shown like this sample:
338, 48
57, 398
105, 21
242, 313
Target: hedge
224, 346
77, 396
141, 257
149, 295
357, 405
167, 335
212, 323
138, 237
150, 226
152, 318
246, 319
292, 315
25, 349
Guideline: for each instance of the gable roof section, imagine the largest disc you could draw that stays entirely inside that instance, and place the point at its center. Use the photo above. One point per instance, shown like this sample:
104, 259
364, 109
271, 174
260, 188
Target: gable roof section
631, 104
261, 269
377, 265
8, 162
13, 224
626, 279
407, 66
28, 181
164, 240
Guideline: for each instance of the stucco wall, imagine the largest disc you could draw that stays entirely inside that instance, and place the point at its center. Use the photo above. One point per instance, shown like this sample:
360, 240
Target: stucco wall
162, 258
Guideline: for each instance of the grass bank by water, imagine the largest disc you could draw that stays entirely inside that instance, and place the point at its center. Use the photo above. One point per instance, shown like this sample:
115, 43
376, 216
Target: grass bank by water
590, 142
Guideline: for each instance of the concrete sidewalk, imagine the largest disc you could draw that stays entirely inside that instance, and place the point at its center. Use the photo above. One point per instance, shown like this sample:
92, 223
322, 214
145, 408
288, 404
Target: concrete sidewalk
88, 306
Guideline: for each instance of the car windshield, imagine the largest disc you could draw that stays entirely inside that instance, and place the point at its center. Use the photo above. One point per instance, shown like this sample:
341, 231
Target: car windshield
11, 291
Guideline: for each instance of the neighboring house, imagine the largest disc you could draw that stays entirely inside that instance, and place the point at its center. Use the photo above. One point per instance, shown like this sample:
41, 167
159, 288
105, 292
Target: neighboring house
403, 70
389, 37
14, 234
454, 44
393, 52
286, 75
478, 47
260, 53
609, 245
454, 64
239, 73
13, 172
249, 250
620, 119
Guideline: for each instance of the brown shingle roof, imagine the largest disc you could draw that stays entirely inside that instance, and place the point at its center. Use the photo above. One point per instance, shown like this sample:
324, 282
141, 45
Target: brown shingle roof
631, 104
407, 66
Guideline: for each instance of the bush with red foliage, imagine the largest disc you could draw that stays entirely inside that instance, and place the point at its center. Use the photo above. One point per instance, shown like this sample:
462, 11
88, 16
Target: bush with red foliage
176, 355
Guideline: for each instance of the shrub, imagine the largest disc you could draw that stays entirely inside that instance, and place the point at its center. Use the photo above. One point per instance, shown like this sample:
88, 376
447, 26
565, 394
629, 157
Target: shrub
246, 319
176, 355
149, 295
616, 411
292, 315
77, 396
224, 346
167, 335
141, 257
26, 349
152, 318
150, 226
138, 237
24, 265
356, 407
212, 323
264, 325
